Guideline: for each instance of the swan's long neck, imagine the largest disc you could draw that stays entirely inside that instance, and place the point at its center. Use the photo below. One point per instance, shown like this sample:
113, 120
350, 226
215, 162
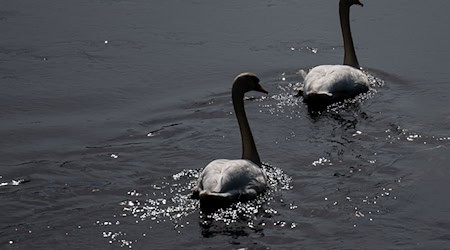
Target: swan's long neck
350, 55
249, 151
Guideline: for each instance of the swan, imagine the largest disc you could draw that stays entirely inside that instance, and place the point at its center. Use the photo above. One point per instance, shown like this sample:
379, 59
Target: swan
326, 84
224, 181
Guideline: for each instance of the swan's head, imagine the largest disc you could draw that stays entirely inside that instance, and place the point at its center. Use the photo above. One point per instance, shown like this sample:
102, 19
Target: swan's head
351, 2
246, 82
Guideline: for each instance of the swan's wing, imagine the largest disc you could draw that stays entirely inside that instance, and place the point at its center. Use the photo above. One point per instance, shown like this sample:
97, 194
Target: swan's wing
335, 79
232, 178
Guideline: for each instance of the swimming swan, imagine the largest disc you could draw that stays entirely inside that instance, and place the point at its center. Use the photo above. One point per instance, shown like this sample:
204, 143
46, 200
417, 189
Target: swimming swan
224, 181
326, 84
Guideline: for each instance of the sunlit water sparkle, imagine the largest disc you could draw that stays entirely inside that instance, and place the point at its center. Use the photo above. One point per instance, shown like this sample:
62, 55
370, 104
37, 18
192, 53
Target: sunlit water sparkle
169, 203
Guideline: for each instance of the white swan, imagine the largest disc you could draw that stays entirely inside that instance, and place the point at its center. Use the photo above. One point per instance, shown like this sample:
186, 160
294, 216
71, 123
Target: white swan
224, 181
326, 84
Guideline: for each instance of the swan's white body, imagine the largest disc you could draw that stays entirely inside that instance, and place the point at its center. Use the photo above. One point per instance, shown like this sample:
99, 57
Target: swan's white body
231, 180
335, 81
326, 84
224, 181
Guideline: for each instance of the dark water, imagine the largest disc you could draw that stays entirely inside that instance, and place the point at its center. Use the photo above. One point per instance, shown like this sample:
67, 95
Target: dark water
110, 108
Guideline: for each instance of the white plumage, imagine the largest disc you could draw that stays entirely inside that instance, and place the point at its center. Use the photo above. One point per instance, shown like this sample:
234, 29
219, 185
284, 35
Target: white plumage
335, 81
231, 180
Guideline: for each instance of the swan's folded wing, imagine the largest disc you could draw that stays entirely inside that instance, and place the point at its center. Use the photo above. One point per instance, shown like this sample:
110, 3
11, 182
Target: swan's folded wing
232, 178
335, 79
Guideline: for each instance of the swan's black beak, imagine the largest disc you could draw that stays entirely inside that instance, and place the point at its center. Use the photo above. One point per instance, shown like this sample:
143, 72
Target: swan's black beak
359, 3
261, 89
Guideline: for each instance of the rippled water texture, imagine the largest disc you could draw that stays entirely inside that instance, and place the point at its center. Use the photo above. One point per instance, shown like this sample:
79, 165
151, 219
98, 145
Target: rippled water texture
109, 109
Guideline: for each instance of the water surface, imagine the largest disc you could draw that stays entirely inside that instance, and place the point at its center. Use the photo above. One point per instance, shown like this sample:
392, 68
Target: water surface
110, 109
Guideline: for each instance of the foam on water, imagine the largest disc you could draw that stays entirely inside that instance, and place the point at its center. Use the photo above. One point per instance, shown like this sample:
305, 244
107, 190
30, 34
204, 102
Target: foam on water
12, 182
397, 133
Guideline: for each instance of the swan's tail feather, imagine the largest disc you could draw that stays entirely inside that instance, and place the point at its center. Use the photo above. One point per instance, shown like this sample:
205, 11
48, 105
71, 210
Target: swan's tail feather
318, 101
314, 98
211, 200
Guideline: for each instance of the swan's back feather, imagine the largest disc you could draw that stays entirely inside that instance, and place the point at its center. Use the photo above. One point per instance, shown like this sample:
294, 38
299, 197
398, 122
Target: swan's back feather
331, 80
231, 180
